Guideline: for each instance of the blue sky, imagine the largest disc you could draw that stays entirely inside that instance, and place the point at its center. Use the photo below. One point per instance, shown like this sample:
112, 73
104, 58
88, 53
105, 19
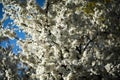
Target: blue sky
40, 2
1, 10
20, 33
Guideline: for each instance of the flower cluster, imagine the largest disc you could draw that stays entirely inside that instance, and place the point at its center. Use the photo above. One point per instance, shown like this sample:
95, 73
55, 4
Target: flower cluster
70, 40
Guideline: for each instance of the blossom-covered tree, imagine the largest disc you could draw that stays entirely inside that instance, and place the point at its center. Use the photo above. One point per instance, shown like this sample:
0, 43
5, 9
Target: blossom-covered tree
68, 39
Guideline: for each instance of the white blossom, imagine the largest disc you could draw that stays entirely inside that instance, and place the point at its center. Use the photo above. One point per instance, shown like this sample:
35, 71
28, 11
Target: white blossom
70, 39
